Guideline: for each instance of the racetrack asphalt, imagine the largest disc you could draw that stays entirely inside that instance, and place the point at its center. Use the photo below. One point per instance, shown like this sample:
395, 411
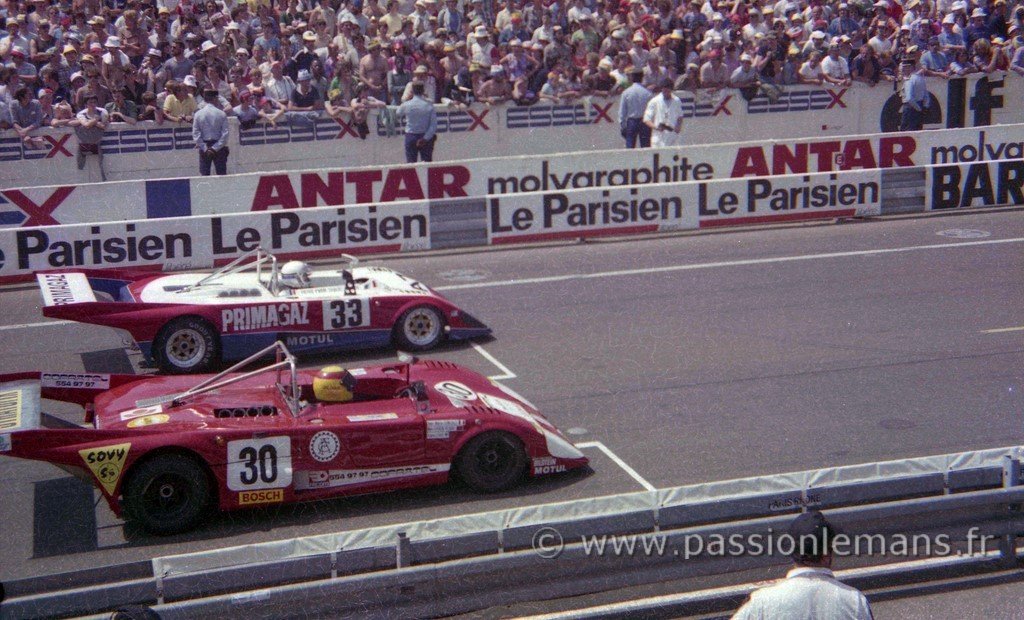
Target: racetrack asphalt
692, 358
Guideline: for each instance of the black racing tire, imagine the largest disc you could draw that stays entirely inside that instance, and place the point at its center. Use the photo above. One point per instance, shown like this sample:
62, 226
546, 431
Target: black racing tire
187, 345
419, 328
167, 494
492, 462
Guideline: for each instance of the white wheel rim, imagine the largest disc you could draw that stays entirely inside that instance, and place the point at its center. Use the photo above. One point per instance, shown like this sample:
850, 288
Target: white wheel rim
185, 347
422, 327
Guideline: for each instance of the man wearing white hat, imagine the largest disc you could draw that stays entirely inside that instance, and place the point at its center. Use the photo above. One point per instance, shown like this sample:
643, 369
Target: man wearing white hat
114, 62
482, 49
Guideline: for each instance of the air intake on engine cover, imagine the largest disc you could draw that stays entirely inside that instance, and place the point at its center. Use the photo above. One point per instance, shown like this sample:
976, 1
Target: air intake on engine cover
245, 412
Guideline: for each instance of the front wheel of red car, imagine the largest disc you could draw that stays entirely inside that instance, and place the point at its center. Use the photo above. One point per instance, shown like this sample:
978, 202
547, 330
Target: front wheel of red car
187, 345
492, 462
419, 329
167, 494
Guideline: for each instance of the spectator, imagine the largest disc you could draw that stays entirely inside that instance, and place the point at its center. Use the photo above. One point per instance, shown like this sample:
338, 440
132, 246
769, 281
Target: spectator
714, 73
632, 108
934, 62
91, 123
834, 68
210, 133
810, 589
420, 126
180, 105
26, 117
497, 89
121, 110
664, 116
914, 94
810, 71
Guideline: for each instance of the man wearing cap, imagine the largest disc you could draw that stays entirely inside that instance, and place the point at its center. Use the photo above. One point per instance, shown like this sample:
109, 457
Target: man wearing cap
25, 70
843, 23
497, 89
210, 133
664, 116
304, 103
14, 39
949, 38
373, 69
914, 93
810, 589
934, 62
978, 29
113, 63
420, 126
834, 68
632, 107
745, 76
714, 73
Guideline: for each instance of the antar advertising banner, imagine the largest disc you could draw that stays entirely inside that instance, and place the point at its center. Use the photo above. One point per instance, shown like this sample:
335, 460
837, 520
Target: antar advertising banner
147, 150
159, 198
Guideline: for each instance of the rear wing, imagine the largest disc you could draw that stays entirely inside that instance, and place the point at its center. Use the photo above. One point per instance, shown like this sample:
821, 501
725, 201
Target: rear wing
79, 388
62, 288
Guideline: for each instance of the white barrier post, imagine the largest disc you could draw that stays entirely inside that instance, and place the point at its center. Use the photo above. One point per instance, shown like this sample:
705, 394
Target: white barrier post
1008, 542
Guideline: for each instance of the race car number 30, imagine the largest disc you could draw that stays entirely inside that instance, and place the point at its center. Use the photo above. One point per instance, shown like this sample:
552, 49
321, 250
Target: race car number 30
264, 463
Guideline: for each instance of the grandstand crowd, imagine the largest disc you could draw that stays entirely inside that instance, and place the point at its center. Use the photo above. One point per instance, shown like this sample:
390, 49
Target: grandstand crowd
288, 61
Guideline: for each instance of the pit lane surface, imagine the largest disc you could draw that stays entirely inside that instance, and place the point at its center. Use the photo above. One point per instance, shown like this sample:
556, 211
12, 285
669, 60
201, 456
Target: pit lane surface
690, 358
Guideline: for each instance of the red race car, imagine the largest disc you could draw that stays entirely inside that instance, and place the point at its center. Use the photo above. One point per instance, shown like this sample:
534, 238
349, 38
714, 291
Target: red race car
164, 449
189, 322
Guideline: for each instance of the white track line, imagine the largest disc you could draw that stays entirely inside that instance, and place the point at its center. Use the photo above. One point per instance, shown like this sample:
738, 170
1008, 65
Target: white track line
731, 263
629, 470
1002, 330
508, 374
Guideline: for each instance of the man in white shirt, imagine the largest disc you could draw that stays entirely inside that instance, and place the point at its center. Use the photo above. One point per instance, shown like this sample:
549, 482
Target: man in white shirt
810, 591
664, 115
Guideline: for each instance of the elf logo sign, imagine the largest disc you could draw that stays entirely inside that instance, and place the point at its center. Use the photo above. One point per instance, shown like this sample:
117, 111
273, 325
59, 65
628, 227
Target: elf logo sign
985, 98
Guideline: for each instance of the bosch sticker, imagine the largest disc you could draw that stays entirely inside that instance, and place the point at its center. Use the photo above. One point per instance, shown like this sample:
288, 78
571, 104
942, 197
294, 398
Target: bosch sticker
324, 446
250, 498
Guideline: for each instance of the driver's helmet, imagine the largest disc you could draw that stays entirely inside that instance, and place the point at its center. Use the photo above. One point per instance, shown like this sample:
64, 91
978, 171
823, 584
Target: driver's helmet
295, 274
333, 384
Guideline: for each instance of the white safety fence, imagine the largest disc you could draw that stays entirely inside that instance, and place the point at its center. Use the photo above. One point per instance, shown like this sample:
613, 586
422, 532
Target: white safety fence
458, 564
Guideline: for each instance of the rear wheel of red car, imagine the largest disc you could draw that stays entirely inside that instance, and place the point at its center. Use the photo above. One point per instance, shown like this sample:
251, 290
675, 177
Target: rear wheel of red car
492, 462
419, 329
187, 345
167, 494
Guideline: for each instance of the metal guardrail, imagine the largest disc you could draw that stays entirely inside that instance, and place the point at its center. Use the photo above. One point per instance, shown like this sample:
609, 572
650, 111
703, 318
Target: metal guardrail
460, 564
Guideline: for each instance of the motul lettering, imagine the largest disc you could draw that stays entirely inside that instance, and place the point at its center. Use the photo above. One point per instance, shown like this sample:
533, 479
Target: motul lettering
365, 186
823, 156
264, 316
548, 469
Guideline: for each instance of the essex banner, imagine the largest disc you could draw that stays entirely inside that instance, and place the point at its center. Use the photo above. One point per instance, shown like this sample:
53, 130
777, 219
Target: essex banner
148, 151
130, 200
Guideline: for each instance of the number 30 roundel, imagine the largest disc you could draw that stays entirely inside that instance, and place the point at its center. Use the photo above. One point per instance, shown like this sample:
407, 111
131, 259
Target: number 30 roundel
264, 463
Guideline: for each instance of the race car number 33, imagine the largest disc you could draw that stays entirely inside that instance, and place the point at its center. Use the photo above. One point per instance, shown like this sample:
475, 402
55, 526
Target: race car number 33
264, 463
